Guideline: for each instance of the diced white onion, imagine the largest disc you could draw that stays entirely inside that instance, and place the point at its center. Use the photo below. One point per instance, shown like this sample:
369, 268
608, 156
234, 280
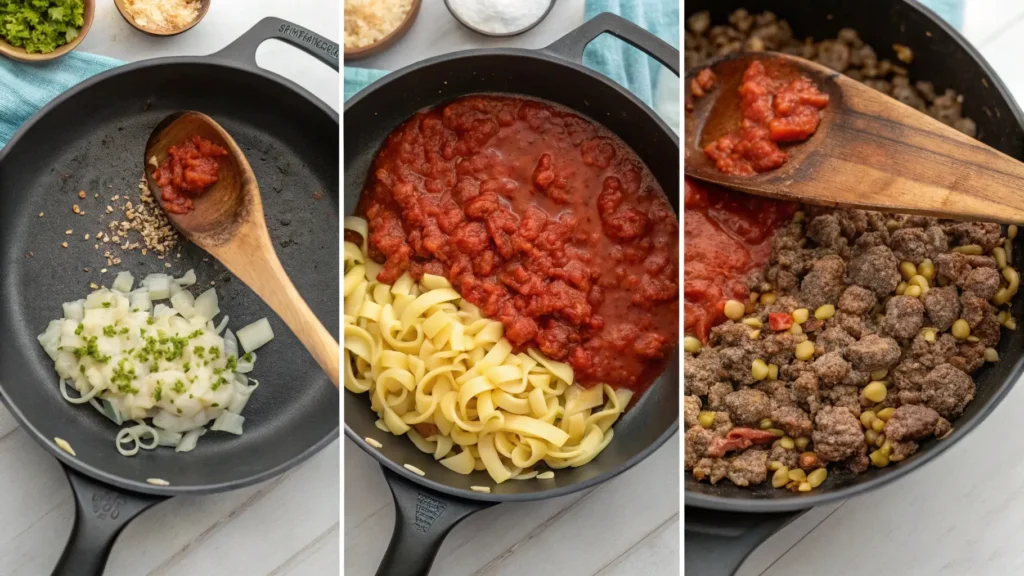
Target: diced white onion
189, 439
74, 310
159, 286
187, 280
255, 335
140, 299
184, 303
228, 422
206, 305
123, 283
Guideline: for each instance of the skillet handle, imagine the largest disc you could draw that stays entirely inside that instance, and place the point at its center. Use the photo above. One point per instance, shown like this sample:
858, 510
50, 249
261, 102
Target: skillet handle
571, 45
243, 50
101, 512
718, 542
423, 519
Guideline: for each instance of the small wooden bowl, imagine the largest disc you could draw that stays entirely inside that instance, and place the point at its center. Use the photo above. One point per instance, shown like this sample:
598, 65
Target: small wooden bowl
122, 7
357, 53
20, 54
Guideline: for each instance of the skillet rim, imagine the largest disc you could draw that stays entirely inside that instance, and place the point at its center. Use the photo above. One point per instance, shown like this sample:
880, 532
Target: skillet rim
548, 56
799, 502
66, 459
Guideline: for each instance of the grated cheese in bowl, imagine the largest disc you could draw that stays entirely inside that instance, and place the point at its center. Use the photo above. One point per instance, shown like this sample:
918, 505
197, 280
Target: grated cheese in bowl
163, 15
369, 21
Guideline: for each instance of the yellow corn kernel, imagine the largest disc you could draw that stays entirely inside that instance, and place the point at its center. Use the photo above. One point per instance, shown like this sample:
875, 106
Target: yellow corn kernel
817, 477
796, 330
892, 225
801, 315
802, 442
804, 350
776, 432
913, 291
766, 424
973, 339
927, 269
867, 417
1011, 231
1008, 246
920, 281
734, 309
706, 418
825, 312
961, 329
804, 487
871, 437
879, 374
754, 334
886, 448
991, 355
885, 413
1003, 315
880, 440
878, 459
759, 369
797, 475
875, 391
1012, 280
798, 216
691, 344
1010, 323
878, 425
901, 288
774, 465
752, 322
787, 443
969, 249
753, 297
908, 270
781, 477
773, 371
1000, 255
929, 336
768, 298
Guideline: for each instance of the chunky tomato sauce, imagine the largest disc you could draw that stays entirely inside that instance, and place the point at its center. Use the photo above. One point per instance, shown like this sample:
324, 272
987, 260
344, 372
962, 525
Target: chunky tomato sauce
776, 105
728, 234
542, 219
189, 169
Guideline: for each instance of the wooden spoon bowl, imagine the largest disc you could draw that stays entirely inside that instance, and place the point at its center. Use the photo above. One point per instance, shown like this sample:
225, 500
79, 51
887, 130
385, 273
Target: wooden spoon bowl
21, 55
870, 151
227, 221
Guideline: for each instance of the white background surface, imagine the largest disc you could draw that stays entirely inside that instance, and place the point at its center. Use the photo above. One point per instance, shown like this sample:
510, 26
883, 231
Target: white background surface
287, 526
963, 514
628, 526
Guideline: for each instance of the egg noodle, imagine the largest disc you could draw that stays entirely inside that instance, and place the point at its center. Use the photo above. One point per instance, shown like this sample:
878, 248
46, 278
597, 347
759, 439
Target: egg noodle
428, 357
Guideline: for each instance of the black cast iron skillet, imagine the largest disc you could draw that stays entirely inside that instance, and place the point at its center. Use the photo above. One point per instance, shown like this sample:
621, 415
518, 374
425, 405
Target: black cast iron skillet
92, 138
426, 508
724, 523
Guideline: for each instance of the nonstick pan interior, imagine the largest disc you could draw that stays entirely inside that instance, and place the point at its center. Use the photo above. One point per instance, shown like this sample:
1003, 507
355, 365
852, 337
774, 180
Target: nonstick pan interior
93, 140
944, 58
370, 117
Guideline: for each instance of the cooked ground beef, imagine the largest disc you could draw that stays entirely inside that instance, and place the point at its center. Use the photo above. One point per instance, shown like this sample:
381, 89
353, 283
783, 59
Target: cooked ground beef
880, 331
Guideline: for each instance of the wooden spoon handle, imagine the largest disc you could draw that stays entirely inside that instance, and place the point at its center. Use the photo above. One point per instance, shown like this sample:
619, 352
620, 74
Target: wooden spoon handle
255, 262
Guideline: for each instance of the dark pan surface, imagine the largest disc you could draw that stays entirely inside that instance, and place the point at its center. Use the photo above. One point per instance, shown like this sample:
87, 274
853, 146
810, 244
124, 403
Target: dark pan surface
94, 141
943, 57
372, 115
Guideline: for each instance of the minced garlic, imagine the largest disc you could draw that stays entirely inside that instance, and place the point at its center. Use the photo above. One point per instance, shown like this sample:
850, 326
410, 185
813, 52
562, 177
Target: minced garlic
368, 21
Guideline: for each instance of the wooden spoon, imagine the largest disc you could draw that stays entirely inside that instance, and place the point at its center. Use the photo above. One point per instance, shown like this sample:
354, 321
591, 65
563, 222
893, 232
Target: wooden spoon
870, 151
228, 223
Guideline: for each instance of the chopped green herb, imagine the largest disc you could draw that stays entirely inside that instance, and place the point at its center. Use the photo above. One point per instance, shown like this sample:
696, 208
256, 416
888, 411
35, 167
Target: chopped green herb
215, 405
179, 410
214, 353
158, 393
220, 381
106, 304
247, 357
188, 366
150, 321
123, 376
41, 26
199, 351
109, 331
123, 330
179, 387
232, 363
90, 349
78, 331
195, 334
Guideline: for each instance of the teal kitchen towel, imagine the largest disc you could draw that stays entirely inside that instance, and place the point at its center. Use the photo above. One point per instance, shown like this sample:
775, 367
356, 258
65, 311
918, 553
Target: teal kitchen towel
25, 88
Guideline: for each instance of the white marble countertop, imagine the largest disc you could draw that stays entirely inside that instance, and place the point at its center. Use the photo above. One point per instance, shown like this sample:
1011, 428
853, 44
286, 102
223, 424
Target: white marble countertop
963, 514
287, 526
628, 526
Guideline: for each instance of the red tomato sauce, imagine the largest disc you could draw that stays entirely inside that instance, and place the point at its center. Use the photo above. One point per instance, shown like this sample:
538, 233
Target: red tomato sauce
776, 107
542, 219
728, 235
189, 169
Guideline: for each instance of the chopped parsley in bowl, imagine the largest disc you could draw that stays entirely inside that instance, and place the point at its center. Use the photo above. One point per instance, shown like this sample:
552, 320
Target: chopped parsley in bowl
41, 26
